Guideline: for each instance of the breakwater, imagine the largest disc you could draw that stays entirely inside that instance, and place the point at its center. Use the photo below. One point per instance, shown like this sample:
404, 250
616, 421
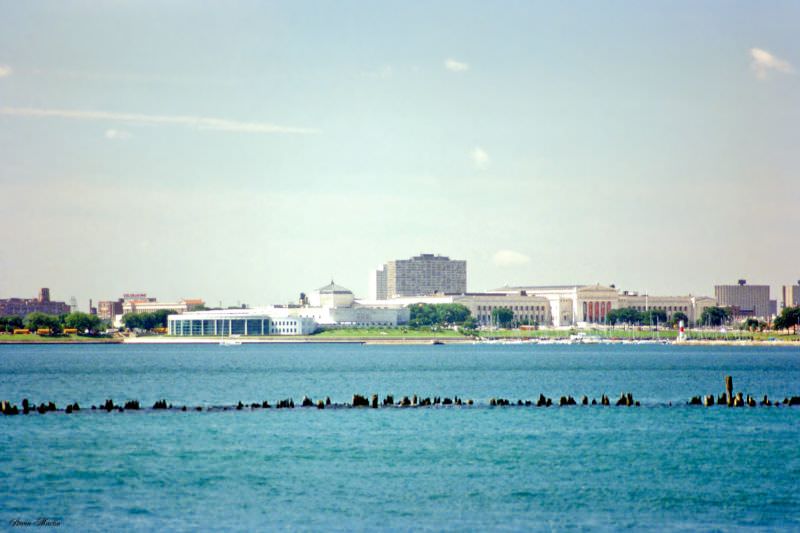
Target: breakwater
727, 399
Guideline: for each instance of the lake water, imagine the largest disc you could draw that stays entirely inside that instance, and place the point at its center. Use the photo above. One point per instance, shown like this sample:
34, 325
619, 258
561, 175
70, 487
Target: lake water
514, 468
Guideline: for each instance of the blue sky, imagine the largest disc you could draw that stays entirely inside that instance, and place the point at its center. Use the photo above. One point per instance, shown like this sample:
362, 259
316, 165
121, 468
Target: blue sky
247, 151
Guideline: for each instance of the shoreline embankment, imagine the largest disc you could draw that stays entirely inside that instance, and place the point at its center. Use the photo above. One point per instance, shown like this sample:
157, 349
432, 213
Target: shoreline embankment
391, 341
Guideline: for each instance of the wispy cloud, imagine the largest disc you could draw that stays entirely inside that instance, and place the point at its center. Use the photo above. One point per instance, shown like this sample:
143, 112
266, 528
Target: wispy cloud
455, 66
480, 157
5, 70
202, 123
763, 62
510, 258
117, 135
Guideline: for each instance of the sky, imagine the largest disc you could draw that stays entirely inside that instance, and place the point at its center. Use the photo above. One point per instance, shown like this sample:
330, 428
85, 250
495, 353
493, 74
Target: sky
243, 152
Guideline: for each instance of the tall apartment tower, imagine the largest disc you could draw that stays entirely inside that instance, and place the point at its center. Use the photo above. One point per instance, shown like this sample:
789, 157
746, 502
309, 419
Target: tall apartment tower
791, 295
421, 275
744, 299
377, 283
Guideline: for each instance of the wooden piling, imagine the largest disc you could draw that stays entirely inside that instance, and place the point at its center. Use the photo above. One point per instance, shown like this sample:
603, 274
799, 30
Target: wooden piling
738, 401
729, 389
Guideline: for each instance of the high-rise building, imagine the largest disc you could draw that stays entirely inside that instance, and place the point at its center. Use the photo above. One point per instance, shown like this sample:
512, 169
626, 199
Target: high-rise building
743, 299
421, 275
791, 295
377, 284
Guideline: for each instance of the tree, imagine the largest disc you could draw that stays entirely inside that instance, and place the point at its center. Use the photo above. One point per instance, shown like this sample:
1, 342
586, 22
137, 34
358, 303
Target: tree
654, 317
437, 314
37, 320
159, 318
83, 322
715, 316
132, 320
502, 316
450, 314
788, 319
147, 321
10, 323
470, 323
626, 315
676, 318
423, 315
753, 324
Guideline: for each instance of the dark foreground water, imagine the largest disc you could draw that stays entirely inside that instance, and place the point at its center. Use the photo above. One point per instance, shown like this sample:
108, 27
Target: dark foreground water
655, 467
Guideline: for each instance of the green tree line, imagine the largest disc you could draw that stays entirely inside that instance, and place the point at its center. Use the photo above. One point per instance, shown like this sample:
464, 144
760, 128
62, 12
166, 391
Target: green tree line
788, 319
83, 322
629, 315
146, 321
440, 315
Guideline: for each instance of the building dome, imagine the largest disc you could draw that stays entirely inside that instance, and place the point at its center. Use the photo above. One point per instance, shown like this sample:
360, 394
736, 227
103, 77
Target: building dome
332, 295
333, 288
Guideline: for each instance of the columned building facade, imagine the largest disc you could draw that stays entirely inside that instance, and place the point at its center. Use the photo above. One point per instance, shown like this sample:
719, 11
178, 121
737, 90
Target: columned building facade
590, 304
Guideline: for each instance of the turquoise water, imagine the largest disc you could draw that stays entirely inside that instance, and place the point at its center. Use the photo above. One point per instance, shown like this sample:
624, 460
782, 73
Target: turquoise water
655, 467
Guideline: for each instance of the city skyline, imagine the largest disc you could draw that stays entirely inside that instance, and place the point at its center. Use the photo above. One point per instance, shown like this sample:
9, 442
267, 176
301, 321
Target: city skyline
268, 148
778, 297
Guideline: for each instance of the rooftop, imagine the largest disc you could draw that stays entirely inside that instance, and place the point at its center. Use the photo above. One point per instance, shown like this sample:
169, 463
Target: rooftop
333, 288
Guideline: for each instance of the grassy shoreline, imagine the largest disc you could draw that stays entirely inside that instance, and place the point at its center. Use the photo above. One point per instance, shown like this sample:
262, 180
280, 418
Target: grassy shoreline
428, 336
389, 333
33, 338
631, 334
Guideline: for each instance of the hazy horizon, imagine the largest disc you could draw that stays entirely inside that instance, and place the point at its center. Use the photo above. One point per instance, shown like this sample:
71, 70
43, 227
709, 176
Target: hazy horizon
248, 152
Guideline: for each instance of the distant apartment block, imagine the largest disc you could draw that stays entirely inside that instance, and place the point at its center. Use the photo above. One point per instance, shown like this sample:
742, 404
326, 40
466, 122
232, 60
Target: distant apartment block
424, 274
377, 284
42, 304
109, 309
791, 295
743, 299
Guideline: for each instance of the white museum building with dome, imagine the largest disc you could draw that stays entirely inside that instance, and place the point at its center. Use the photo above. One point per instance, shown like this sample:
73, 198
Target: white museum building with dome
328, 306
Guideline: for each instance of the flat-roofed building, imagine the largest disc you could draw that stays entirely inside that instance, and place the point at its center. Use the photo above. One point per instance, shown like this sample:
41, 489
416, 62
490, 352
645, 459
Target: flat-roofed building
791, 295
244, 322
377, 284
109, 309
150, 305
572, 304
691, 306
41, 304
421, 275
743, 299
527, 309
590, 304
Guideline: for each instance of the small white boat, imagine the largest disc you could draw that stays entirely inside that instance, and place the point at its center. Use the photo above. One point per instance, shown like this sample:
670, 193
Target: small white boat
233, 340
230, 342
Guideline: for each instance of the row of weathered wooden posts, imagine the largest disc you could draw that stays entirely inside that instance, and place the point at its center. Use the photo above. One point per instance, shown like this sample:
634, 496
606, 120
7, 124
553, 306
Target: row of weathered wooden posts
626, 399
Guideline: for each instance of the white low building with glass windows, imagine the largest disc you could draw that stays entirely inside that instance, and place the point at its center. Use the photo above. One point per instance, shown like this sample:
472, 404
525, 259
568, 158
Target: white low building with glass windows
242, 322
328, 306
